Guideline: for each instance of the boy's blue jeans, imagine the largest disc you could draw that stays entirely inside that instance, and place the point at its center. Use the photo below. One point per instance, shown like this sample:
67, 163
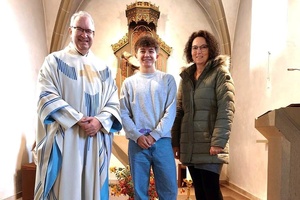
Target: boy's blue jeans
160, 156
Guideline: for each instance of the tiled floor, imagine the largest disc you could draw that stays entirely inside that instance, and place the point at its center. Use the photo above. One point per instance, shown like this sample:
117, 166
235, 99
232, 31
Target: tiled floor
228, 194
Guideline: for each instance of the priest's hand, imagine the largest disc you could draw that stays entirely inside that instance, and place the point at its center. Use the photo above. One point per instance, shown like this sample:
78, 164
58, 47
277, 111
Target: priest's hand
90, 125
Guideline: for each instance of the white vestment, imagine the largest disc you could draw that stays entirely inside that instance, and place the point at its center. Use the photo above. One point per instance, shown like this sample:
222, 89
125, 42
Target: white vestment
70, 164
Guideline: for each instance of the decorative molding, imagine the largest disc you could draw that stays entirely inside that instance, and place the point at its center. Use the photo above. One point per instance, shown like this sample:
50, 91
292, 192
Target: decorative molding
60, 31
121, 43
215, 13
163, 45
142, 11
61, 24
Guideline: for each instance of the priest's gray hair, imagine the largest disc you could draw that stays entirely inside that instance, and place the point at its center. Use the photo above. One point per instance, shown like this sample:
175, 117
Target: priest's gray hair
81, 14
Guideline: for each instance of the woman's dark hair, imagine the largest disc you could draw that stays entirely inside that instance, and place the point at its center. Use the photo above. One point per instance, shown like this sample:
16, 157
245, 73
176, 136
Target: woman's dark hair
213, 45
146, 41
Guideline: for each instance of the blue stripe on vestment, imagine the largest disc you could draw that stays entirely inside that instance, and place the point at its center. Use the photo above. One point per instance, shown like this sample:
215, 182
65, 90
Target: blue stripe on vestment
54, 166
116, 126
92, 102
104, 191
66, 69
49, 119
103, 164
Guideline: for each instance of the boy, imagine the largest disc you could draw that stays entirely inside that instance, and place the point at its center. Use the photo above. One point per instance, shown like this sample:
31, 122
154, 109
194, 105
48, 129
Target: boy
148, 109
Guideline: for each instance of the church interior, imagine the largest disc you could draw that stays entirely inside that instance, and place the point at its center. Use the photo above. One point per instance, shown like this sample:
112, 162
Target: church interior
261, 37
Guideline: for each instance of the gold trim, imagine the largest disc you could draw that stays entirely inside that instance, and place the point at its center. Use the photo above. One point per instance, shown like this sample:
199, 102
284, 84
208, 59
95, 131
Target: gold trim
142, 11
142, 4
163, 45
121, 43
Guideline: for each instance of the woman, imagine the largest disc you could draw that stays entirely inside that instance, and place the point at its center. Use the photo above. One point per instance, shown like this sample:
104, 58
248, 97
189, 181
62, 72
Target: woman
204, 116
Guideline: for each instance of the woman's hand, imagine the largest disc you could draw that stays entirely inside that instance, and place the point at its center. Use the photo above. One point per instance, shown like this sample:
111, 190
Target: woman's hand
176, 152
215, 150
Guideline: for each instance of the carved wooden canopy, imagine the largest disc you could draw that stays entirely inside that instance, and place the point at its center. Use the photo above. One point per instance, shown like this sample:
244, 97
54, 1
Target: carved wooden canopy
142, 18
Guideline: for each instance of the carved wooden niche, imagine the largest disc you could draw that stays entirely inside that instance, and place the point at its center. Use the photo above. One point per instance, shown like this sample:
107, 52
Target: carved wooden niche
142, 20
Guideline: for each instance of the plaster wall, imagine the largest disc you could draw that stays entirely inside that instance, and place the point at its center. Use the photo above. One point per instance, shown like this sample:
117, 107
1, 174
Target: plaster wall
266, 43
23, 47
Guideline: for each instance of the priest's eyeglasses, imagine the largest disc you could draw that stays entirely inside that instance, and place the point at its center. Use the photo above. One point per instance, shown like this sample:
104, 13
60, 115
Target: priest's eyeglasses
82, 30
203, 48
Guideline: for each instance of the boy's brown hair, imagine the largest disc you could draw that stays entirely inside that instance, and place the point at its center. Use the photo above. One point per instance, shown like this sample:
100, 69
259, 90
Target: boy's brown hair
146, 41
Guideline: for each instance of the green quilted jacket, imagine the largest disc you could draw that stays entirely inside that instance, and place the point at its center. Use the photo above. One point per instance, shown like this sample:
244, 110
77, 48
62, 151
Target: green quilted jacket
204, 113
